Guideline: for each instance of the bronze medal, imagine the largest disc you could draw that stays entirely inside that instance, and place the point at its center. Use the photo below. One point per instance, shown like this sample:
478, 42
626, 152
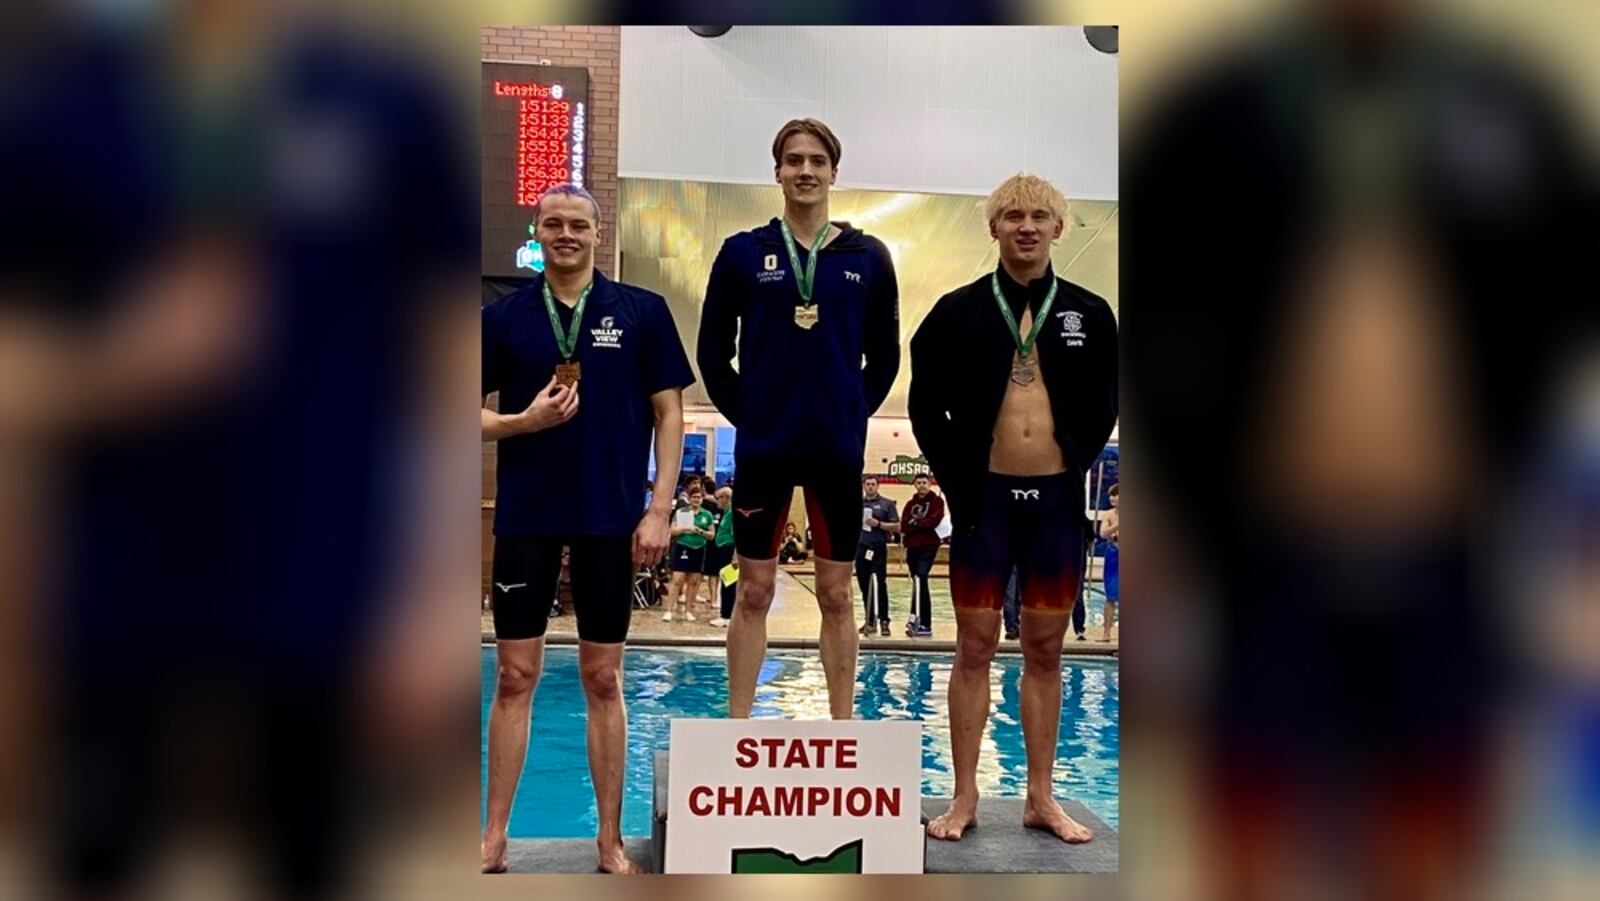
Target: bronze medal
568, 373
805, 316
1022, 372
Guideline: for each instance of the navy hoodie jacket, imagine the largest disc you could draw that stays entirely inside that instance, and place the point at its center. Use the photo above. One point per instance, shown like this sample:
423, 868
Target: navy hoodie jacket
800, 393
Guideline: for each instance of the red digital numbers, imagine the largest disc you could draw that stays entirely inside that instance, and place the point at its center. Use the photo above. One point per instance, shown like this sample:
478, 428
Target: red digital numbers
543, 157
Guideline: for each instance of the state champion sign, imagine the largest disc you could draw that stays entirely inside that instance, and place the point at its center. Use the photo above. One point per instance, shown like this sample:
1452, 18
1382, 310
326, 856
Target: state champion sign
779, 796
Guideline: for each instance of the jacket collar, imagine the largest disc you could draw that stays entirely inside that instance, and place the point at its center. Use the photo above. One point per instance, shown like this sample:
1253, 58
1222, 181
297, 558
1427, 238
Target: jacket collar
850, 237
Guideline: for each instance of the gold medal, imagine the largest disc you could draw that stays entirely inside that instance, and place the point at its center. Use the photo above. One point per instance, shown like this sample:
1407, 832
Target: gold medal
805, 316
568, 373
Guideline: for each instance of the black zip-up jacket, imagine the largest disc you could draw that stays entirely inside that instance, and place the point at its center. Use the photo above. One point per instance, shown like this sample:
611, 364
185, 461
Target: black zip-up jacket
800, 393
961, 363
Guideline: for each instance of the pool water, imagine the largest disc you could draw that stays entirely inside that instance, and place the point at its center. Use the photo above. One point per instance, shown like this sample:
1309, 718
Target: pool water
555, 798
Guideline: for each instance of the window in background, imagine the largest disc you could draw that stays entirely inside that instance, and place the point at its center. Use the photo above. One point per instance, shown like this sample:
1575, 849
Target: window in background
724, 462
694, 453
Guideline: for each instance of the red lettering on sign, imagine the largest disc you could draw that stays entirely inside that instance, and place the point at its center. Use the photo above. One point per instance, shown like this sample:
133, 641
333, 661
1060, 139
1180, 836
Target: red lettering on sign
788, 801
758, 805
858, 802
846, 759
888, 802
797, 756
789, 753
795, 801
695, 794
772, 745
747, 756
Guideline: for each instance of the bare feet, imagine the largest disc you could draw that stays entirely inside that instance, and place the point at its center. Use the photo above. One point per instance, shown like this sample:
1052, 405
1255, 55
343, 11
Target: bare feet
614, 859
954, 822
1049, 816
493, 853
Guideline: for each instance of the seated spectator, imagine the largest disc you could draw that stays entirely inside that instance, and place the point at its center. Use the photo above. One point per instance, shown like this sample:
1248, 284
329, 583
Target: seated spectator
795, 548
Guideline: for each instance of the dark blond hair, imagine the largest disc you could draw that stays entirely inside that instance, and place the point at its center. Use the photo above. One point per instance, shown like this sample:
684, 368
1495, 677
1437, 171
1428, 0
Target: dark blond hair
811, 127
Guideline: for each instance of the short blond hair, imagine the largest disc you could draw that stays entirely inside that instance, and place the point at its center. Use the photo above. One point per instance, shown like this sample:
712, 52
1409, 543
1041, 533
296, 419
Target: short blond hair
1026, 192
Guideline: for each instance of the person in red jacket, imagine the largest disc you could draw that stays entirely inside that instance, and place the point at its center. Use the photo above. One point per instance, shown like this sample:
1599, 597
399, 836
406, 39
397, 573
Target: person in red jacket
919, 524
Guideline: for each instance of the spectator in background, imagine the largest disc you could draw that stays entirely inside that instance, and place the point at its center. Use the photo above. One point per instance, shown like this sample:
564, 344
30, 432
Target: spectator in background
878, 518
919, 529
709, 486
1109, 529
719, 553
690, 529
795, 546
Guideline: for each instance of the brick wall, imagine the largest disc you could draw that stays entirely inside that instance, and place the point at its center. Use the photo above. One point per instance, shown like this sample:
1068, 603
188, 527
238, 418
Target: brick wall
598, 49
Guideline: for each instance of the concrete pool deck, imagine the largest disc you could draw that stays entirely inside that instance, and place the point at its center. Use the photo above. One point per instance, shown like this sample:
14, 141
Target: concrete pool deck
795, 621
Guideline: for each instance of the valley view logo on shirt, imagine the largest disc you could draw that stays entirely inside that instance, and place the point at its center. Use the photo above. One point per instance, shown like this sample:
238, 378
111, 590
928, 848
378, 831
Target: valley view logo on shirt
607, 335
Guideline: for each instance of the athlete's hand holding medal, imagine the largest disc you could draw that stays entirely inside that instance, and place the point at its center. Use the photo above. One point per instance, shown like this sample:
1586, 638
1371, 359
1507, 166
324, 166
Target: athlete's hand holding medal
552, 406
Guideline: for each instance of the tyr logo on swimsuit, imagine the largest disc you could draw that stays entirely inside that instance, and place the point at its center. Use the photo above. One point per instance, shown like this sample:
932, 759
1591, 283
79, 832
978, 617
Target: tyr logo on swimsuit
1024, 494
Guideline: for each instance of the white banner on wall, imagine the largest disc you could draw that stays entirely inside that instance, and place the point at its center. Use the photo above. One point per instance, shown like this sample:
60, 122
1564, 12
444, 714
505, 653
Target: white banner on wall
779, 796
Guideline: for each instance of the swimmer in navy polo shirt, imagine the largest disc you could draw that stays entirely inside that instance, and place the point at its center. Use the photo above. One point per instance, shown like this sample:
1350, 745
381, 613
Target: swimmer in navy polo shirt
1013, 395
586, 368
811, 307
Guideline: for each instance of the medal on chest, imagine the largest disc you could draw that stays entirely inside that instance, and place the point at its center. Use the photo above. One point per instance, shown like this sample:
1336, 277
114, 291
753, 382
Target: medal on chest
805, 314
1024, 367
569, 371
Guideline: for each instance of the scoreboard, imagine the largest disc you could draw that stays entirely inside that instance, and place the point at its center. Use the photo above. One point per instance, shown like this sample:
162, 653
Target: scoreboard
535, 134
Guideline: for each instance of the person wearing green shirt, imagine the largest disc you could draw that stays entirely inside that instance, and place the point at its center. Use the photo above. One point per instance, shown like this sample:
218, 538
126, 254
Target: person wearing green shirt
691, 526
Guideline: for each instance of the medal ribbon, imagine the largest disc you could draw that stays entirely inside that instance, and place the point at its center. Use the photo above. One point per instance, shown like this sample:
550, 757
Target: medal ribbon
565, 341
807, 279
1024, 346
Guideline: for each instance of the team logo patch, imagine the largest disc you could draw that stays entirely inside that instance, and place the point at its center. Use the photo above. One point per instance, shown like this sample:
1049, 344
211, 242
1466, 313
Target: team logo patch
607, 335
771, 262
1072, 327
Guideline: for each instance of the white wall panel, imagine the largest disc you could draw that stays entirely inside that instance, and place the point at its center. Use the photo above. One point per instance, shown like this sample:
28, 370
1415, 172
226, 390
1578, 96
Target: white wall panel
940, 109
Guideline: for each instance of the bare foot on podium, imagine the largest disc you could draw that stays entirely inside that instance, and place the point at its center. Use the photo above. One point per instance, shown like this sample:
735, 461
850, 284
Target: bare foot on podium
955, 821
614, 859
1048, 815
493, 853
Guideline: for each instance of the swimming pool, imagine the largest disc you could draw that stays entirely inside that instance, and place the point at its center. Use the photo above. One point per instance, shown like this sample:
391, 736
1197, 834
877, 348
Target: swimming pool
555, 798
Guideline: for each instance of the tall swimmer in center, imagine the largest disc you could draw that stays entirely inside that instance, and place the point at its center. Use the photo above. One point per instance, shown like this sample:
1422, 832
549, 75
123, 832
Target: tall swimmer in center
799, 294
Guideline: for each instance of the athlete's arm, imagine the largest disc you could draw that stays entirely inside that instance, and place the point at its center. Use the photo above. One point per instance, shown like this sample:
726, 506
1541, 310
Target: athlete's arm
926, 403
552, 406
881, 343
651, 538
719, 329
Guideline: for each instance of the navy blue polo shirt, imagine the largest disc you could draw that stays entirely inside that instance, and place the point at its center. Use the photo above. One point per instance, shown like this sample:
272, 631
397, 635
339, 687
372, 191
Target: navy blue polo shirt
585, 476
